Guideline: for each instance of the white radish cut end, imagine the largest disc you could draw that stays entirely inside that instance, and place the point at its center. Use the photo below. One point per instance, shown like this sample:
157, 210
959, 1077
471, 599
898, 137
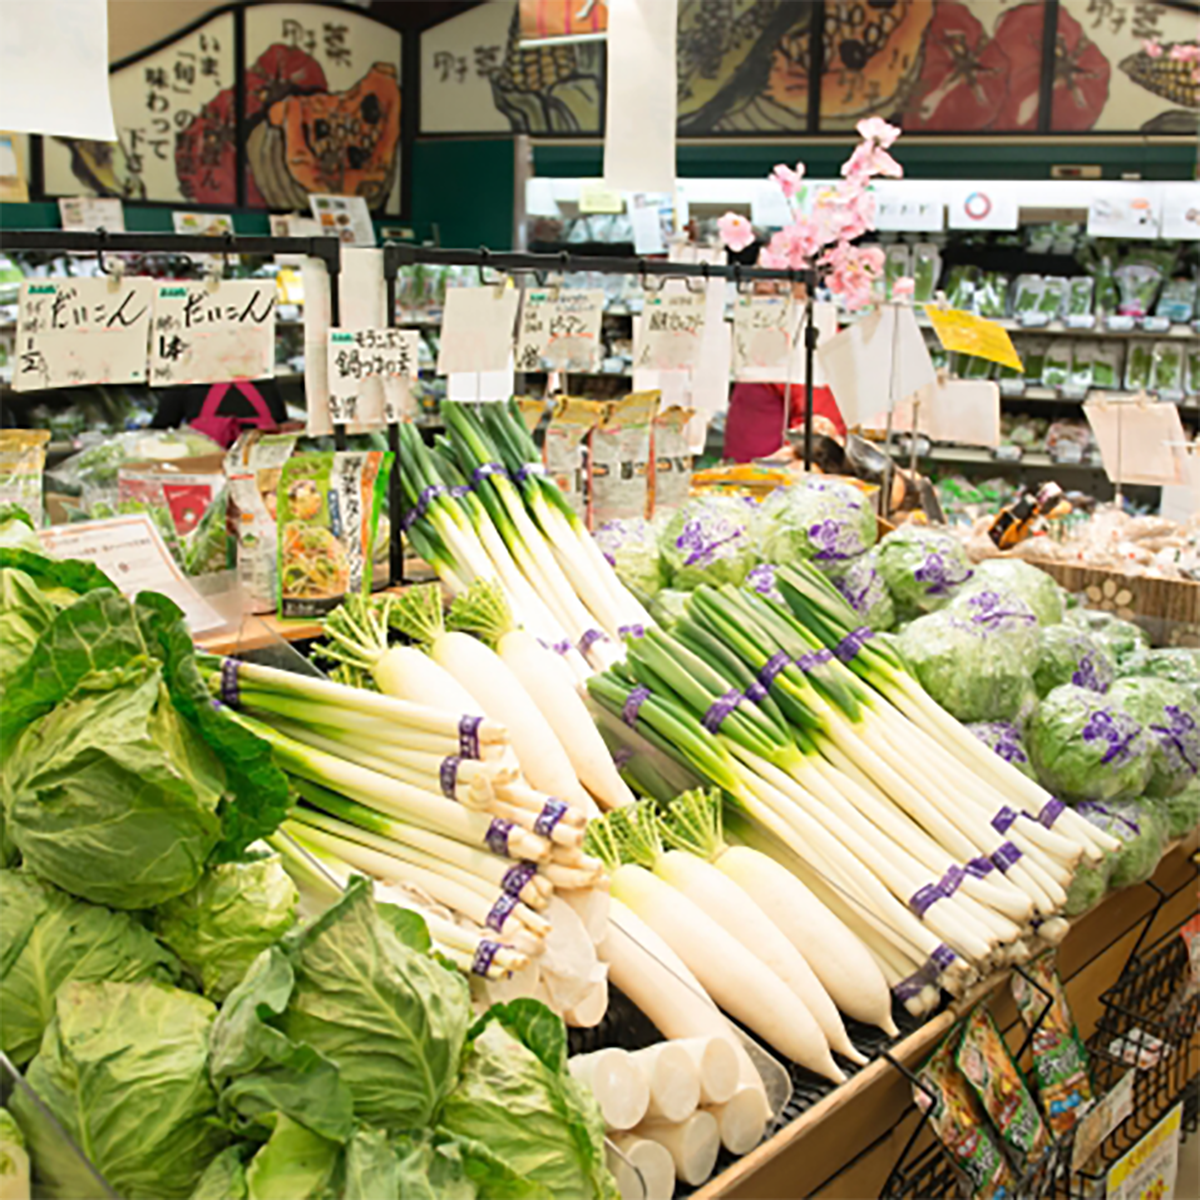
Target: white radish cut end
674, 1081
589, 1012
694, 1144
653, 1162
718, 1067
618, 1083
591, 906
742, 1119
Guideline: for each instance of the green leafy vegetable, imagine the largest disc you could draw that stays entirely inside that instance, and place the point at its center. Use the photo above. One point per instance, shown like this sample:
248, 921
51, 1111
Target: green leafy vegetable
1178, 663
1068, 654
1172, 723
711, 539
819, 519
1119, 637
25, 614
224, 1178
17, 529
1141, 828
1033, 586
1183, 810
922, 567
295, 1164
863, 588
14, 1159
632, 548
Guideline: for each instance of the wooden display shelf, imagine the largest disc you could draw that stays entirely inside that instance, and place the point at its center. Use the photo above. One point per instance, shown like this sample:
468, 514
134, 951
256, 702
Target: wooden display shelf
845, 1146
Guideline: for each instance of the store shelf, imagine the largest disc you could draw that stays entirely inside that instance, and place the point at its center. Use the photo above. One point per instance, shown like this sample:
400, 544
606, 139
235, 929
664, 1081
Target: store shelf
967, 455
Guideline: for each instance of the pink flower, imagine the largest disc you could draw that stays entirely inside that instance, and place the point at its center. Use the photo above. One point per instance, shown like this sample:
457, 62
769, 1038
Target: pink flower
869, 159
1152, 48
853, 272
792, 247
878, 131
789, 181
736, 232
1185, 52
903, 287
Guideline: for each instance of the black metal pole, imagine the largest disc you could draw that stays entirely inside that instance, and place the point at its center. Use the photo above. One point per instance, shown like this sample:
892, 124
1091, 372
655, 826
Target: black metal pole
810, 347
396, 543
333, 265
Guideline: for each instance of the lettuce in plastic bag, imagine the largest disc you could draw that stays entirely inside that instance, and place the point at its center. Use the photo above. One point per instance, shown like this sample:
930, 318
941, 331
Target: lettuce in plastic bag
819, 519
998, 611
1004, 737
631, 547
863, 588
1140, 826
1119, 637
1085, 747
762, 580
923, 567
1183, 810
1035, 587
1088, 887
1172, 722
1181, 664
711, 539
1067, 654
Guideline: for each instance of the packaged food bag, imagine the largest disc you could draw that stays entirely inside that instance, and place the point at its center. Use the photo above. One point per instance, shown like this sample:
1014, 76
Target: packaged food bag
22, 459
571, 425
671, 481
620, 459
252, 469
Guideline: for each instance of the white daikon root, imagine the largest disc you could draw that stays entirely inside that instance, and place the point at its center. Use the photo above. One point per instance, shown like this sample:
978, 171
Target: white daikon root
653, 1161
742, 1119
673, 1078
619, 1083
717, 1064
694, 1144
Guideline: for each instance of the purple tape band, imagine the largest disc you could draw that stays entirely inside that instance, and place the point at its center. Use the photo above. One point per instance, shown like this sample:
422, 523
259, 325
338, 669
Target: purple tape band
633, 631
516, 877
816, 658
942, 957
621, 757
923, 899
756, 693
906, 989
853, 642
500, 911
421, 507
468, 736
458, 490
720, 709
633, 702
481, 964
229, 682
590, 638
1003, 820
552, 812
497, 836
525, 470
772, 667
563, 647
448, 776
952, 879
1050, 812
981, 868
482, 472
1006, 856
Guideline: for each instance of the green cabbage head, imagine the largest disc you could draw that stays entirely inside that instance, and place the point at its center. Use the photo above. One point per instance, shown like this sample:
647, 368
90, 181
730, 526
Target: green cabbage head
1172, 721
923, 568
1068, 654
711, 539
1034, 586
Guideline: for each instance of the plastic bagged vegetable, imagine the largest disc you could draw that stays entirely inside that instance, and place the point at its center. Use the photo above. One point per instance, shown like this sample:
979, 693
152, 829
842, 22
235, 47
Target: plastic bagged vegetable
862, 585
1178, 663
1172, 721
1142, 828
818, 519
922, 567
1182, 810
711, 539
1068, 654
1004, 737
17, 529
631, 547
1088, 886
1035, 587
1119, 637
1084, 747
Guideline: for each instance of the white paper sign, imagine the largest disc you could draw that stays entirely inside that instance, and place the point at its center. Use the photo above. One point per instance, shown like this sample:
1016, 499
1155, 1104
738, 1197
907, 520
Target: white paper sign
668, 333
991, 205
877, 363
1181, 211
769, 207
85, 214
81, 331
560, 331
646, 219
54, 69
212, 333
763, 328
344, 217
131, 552
1181, 502
1140, 441
478, 386
1149, 1171
358, 354
908, 208
477, 329
1125, 210
963, 411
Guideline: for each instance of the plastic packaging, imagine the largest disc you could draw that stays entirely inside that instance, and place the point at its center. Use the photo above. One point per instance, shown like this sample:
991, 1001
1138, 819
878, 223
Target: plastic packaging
863, 587
1106, 365
1079, 296
1178, 300
1171, 717
1182, 810
1056, 370
1178, 663
1053, 300
1029, 583
1068, 654
1168, 368
1004, 737
1082, 370
927, 268
1139, 366
1027, 294
1139, 284
711, 539
1141, 827
631, 547
897, 263
922, 567
819, 519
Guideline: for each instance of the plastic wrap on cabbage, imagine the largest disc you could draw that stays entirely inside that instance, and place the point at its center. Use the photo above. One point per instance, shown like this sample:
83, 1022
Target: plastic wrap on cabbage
863, 587
1022, 579
922, 567
1183, 810
973, 672
711, 539
1004, 737
631, 547
762, 580
1084, 747
1181, 664
1140, 826
1087, 888
999, 611
1119, 637
1067, 654
819, 519
667, 607
1172, 721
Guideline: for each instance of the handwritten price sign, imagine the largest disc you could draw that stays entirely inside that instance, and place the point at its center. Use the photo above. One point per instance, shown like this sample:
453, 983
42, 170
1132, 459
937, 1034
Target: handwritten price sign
560, 331
358, 354
211, 334
669, 332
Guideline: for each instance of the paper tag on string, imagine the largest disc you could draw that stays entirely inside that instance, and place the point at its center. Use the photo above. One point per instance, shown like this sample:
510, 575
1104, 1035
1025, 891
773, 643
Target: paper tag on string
963, 411
84, 214
763, 328
477, 329
72, 332
969, 334
1140, 440
359, 354
560, 330
667, 336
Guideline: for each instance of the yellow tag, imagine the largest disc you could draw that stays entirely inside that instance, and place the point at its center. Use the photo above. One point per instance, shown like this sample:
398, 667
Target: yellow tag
594, 197
969, 334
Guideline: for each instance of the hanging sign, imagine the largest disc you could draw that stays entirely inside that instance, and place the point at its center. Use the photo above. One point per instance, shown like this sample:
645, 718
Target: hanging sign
560, 330
969, 334
1140, 439
358, 354
669, 331
595, 197
762, 337
477, 329
1149, 1170
213, 331
72, 332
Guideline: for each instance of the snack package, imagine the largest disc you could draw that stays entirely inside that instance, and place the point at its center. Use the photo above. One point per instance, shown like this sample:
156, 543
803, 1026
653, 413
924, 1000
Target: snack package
1060, 1062
985, 1061
328, 507
960, 1124
22, 457
571, 425
1106, 365
1139, 366
926, 269
671, 481
252, 469
1168, 368
618, 473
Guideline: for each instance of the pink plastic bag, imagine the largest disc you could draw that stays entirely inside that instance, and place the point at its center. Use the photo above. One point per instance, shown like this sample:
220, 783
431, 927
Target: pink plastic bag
225, 430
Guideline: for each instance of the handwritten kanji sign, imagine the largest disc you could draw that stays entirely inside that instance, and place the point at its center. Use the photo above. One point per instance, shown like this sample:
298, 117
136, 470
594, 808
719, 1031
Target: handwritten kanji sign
668, 335
358, 354
763, 327
211, 333
80, 331
560, 331
969, 334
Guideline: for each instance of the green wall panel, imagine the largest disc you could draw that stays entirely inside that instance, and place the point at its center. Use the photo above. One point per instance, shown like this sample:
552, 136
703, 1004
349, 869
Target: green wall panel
463, 191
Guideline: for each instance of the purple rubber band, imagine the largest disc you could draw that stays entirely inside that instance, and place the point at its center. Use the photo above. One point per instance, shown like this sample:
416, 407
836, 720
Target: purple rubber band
772, 667
817, 658
1006, 856
525, 470
500, 911
484, 953
720, 708
1003, 820
633, 702
633, 631
906, 989
756, 693
622, 756
482, 472
942, 957
468, 736
1050, 812
217, 705
980, 868
497, 836
229, 682
421, 507
458, 490
853, 642
951, 881
448, 776
924, 898
552, 812
516, 877
589, 639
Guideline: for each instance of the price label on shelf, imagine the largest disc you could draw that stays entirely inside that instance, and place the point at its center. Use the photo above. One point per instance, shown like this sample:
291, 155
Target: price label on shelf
358, 354
669, 332
559, 330
969, 334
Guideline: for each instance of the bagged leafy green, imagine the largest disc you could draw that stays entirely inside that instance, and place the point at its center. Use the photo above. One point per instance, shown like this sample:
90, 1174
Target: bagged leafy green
761, 579
17, 529
516, 1097
998, 611
1067, 654
1084, 747
862, 586
48, 937
973, 671
1035, 587
711, 539
122, 1068
14, 1159
219, 927
1141, 828
295, 1164
923, 567
1182, 810
224, 1178
819, 519
1172, 722
631, 547
1178, 663
1119, 637
1005, 739
1088, 886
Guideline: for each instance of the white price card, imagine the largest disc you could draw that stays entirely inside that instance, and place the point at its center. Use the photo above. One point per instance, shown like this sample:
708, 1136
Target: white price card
963, 411
132, 553
1181, 211
668, 334
1129, 210
72, 332
477, 329
84, 214
345, 217
213, 332
560, 330
359, 354
763, 329
1140, 440
645, 218
991, 205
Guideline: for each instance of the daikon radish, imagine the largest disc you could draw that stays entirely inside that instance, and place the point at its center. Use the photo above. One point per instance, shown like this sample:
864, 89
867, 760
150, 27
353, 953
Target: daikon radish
717, 1066
495, 689
591, 906
589, 1011
741, 1120
653, 1162
619, 1083
673, 1078
693, 1143
484, 613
